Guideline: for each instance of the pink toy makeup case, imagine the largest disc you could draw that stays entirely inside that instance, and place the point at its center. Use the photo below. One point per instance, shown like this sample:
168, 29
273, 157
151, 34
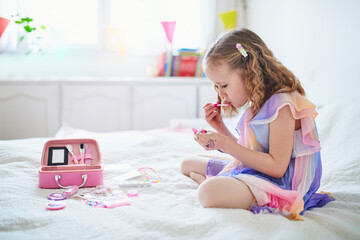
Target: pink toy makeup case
68, 162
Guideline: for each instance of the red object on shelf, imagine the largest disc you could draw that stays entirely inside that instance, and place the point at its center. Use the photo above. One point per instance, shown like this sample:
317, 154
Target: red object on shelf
187, 65
161, 64
3, 24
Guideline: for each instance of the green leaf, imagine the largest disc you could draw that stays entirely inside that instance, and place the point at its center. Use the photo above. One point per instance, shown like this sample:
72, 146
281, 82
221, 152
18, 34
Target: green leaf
43, 27
29, 29
19, 22
21, 38
27, 19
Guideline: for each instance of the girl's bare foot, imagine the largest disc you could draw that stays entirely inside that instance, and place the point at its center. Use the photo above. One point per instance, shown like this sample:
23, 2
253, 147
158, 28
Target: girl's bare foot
197, 177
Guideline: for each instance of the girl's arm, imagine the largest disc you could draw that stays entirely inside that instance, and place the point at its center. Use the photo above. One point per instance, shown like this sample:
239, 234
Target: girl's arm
281, 141
226, 132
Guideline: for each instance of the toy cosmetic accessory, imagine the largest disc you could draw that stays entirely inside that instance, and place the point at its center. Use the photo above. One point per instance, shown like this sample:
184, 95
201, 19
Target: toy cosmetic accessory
55, 205
74, 158
104, 197
88, 156
128, 175
63, 164
201, 130
82, 153
150, 175
221, 105
106, 204
62, 196
132, 193
129, 184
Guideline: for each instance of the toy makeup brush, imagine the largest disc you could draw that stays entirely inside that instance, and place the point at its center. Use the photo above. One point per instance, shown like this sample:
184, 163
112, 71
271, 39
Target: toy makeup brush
73, 156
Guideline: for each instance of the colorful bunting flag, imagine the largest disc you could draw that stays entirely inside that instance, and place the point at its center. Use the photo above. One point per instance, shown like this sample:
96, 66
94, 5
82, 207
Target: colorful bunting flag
118, 35
169, 27
229, 19
3, 24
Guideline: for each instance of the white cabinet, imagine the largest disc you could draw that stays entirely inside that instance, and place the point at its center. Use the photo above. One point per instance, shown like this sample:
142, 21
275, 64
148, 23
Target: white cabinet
38, 108
28, 110
155, 106
96, 107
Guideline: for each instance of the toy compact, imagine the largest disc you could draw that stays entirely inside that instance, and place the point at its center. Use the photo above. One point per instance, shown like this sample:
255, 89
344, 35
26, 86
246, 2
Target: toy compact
69, 162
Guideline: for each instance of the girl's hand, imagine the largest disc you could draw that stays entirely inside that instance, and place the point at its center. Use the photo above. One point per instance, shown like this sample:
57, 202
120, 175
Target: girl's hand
209, 140
213, 116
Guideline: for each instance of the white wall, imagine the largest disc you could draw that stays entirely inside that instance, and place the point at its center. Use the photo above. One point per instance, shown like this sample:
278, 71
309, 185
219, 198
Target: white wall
319, 40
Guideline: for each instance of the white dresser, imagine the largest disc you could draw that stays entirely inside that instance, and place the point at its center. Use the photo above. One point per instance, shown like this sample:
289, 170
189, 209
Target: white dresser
38, 107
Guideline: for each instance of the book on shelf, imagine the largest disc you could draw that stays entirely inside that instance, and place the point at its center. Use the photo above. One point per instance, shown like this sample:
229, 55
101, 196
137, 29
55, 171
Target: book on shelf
161, 65
185, 63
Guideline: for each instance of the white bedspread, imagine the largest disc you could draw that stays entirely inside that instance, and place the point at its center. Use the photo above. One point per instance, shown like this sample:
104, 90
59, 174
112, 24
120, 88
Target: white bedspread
170, 209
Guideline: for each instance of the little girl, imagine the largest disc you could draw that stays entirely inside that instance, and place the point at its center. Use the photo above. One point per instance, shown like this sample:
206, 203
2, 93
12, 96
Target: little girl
276, 162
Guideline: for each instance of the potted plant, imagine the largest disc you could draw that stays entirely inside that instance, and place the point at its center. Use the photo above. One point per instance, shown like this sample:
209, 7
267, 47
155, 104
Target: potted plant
31, 35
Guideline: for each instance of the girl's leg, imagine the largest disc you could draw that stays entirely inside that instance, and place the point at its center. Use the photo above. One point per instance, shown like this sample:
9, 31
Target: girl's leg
195, 168
225, 192
199, 178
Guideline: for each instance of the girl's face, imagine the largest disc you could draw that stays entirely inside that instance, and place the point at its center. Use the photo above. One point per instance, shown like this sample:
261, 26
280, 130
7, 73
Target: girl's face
230, 83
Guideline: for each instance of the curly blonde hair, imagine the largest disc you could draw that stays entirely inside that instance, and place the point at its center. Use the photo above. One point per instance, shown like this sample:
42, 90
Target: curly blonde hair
265, 74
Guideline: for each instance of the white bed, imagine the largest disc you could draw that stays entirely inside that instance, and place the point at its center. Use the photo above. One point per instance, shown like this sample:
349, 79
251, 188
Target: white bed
170, 209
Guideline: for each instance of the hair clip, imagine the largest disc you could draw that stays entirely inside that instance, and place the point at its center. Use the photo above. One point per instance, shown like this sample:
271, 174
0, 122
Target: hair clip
241, 49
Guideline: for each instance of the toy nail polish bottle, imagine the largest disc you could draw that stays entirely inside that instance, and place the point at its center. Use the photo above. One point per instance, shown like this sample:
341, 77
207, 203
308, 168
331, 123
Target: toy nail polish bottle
88, 156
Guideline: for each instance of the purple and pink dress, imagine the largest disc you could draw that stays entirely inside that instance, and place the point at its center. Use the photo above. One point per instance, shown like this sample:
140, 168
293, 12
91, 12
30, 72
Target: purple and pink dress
296, 190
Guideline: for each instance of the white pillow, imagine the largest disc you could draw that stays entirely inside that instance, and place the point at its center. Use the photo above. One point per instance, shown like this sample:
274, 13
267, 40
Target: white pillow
339, 131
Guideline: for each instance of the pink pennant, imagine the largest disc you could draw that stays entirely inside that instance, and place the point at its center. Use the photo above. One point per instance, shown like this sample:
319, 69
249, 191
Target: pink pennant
3, 24
169, 28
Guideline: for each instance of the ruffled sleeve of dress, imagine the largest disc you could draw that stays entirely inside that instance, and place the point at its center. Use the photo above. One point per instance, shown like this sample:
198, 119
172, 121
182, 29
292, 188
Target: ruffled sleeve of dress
306, 140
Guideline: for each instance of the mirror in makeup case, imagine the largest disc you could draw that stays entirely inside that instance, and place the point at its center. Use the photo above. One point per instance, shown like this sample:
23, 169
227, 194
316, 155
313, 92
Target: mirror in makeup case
58, 156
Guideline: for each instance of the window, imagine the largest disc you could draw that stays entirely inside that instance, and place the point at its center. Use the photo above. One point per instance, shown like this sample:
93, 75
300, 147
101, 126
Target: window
68, 23
128, 26
104, 37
